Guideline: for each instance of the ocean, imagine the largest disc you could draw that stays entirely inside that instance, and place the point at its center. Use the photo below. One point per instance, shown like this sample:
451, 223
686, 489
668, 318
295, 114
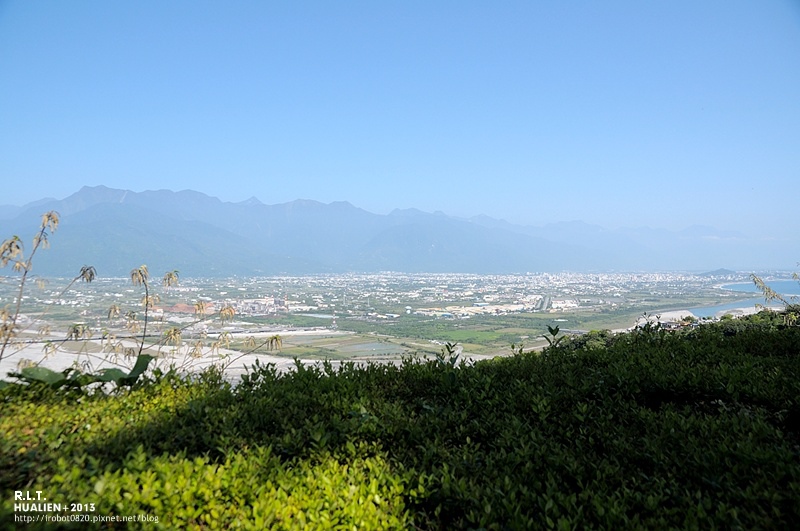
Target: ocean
787, 288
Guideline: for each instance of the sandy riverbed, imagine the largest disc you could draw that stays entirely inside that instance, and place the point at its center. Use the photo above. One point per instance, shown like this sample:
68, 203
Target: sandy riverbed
234, 363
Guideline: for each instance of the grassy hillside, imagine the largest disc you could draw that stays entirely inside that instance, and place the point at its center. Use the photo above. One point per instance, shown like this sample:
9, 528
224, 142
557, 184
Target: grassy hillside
655, 429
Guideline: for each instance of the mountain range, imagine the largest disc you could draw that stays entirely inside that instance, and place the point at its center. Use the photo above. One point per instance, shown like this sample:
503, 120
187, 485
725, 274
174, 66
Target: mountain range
201, 236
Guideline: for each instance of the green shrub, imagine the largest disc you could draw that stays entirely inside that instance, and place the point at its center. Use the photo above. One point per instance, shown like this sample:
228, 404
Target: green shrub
697, 428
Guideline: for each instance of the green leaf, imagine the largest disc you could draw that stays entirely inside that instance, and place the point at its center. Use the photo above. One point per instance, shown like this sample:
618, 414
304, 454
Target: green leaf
138, 368
111, 375
42, 374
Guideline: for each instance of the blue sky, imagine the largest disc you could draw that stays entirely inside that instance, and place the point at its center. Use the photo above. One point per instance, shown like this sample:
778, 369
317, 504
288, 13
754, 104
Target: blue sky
620, 113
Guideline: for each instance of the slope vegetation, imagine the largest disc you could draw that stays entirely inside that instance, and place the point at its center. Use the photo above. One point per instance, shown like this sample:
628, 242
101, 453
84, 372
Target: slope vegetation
689, 429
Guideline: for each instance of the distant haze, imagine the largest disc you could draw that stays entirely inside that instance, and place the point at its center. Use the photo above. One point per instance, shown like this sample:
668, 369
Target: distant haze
620, 114
116, 230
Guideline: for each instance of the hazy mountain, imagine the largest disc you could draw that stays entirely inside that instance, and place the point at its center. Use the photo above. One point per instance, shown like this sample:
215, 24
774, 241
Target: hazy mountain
10, 211
607, 248
117, 230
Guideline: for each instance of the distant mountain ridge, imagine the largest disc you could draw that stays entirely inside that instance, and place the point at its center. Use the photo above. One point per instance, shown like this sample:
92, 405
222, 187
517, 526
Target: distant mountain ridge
117, 230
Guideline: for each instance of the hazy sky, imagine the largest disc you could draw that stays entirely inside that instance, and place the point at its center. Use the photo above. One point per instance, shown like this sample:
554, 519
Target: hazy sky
661, 113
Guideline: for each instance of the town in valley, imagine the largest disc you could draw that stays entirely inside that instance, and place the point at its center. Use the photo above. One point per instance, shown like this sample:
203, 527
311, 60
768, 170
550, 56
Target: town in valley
376, 316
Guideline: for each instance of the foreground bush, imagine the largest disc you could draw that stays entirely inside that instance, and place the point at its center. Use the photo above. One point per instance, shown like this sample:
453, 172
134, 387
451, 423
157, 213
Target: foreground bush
651, 429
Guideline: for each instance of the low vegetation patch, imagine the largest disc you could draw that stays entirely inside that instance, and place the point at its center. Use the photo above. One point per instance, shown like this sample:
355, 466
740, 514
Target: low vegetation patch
698, 428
